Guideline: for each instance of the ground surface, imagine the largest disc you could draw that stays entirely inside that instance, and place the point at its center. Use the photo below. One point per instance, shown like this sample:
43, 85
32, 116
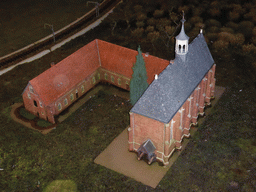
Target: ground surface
117, 157
220, 157
23, 21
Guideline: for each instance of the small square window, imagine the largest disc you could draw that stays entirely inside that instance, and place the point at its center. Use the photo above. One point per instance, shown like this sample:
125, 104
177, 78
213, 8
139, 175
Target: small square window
106, 76
82, 88
119, 81
29, 96
40, 103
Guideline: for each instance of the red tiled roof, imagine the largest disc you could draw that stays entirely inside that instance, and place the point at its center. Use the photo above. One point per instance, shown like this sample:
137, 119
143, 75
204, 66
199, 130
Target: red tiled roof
121, 60
62, 77
57, 80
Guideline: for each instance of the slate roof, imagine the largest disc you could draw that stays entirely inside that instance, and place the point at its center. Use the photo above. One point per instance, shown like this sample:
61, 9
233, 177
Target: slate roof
166, 95
65, 75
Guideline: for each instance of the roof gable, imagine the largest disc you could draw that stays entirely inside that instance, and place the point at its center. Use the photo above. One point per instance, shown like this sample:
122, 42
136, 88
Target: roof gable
166, 95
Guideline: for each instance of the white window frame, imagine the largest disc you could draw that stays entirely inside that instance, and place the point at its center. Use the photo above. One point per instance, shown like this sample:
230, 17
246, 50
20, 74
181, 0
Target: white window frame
65, 101
112, 79
59, 106
93, 80
71, 96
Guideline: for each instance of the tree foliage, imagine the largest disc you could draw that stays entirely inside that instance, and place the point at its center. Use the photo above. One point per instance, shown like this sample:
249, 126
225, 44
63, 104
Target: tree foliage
139, 78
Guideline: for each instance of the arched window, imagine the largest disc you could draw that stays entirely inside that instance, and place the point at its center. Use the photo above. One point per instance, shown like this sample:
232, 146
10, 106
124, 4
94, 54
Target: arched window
184, 48
59, 106
93, 80
112, 79
71, 96
65, 101
179, 48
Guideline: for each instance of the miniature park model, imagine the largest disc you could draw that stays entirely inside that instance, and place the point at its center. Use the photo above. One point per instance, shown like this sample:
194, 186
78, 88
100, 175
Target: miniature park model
177, 93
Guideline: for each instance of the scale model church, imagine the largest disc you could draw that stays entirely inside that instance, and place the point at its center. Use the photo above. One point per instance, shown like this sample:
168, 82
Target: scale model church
178, 91
162, 117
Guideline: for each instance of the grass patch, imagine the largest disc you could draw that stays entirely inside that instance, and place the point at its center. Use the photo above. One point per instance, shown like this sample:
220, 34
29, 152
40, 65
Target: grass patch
43, 123
61, 186
24, 113
220, 155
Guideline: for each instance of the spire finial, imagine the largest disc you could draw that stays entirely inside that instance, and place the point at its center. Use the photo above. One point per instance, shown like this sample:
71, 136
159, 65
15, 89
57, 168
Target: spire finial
183, 17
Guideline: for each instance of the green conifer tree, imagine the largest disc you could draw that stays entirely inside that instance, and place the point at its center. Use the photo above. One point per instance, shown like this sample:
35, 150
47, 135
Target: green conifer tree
138, 82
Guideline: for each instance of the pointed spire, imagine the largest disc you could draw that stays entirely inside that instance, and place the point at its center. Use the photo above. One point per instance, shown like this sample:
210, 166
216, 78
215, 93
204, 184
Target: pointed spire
182, 35
181, 47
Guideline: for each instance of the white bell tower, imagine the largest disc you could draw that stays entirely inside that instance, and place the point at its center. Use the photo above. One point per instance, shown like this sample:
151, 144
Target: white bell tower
182, 40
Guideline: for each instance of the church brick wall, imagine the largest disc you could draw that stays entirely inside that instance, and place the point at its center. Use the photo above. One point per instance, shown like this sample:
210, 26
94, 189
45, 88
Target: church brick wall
49, 112
143, 128
168, 137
